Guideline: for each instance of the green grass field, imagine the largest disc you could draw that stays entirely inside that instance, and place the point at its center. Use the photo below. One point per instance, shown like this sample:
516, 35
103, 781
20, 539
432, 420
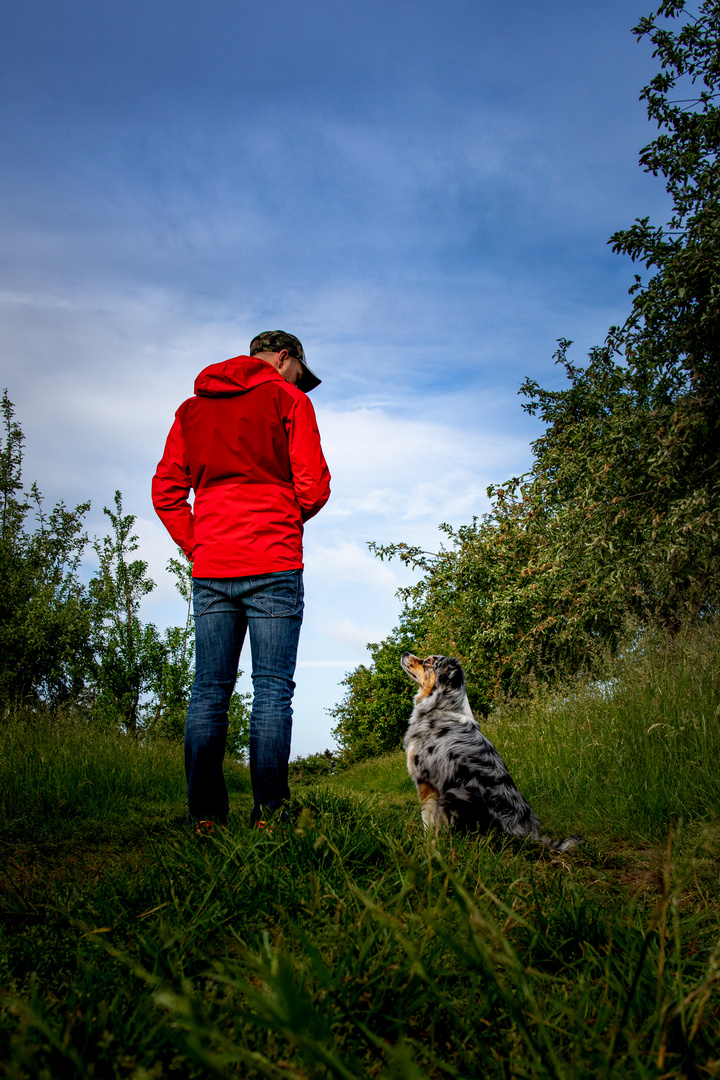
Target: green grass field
347, 945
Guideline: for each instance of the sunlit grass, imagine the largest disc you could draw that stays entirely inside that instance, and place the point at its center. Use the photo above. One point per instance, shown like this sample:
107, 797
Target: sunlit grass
630, 753
348, 945
626, 755
63, 773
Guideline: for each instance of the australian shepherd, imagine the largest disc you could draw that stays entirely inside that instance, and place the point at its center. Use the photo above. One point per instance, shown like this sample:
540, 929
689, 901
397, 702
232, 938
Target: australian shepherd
461, 779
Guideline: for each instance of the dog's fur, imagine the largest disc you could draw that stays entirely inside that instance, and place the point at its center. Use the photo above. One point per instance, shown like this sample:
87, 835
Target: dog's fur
461, 779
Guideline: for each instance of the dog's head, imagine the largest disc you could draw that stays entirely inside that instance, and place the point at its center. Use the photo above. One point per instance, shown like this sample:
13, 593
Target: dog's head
441, 674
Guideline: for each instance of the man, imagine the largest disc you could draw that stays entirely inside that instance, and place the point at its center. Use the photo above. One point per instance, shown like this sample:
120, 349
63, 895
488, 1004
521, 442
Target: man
249, 447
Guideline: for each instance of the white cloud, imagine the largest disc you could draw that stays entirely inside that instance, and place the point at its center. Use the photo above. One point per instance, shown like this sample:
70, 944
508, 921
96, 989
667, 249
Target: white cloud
348, 562
410, 469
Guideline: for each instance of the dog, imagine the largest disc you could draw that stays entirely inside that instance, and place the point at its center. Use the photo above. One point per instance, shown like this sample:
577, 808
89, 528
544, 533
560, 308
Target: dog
461, 779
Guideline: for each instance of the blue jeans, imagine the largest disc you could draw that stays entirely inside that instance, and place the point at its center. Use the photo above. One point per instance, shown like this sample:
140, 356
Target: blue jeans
271, 606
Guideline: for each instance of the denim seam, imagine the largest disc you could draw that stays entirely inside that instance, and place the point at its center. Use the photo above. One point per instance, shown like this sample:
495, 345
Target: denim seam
211, 601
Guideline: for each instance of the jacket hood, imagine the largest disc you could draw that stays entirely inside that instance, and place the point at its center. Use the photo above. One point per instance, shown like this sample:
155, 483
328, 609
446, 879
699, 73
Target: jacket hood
235, 376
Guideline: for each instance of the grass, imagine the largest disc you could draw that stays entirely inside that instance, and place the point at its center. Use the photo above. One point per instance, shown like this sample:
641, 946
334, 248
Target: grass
60, 775
631, 753
346, 945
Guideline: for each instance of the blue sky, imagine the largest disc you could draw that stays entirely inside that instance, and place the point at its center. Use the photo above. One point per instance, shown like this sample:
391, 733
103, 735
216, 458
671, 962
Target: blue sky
422, 192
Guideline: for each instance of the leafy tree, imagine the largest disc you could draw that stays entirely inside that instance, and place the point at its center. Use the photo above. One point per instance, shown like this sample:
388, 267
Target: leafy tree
486, 599
238, 736
629, 466
166, 710
130, 657
45, 651
171, 688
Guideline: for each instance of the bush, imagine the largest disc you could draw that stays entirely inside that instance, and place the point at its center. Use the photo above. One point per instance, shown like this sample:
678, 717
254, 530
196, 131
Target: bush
313, 767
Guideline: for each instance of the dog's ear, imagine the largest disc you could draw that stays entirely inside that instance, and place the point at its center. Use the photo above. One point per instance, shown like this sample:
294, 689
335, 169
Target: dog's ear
449, 673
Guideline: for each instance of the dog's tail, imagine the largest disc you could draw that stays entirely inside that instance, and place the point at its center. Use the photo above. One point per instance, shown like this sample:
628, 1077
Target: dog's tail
560, 845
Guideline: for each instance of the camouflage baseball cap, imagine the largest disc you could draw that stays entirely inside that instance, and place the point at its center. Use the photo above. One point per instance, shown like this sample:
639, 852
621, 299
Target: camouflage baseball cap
276, 341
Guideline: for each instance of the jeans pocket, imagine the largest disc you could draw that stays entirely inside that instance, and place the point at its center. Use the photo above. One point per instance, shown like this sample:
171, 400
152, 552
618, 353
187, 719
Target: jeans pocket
203, 596
282, 596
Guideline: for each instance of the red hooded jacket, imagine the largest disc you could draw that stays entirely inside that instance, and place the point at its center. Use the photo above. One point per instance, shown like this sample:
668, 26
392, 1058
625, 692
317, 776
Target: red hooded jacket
249, 447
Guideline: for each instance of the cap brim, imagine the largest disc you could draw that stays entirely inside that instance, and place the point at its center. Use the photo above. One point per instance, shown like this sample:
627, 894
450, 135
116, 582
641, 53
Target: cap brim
309, 379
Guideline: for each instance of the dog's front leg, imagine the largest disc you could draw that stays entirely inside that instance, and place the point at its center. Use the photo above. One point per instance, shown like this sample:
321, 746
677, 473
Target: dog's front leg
429, 807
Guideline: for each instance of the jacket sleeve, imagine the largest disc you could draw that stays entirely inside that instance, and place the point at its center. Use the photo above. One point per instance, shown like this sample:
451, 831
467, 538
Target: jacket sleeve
170, 489
311, 477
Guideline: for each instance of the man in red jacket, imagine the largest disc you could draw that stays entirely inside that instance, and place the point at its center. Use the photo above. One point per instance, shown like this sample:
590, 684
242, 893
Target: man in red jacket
248, 445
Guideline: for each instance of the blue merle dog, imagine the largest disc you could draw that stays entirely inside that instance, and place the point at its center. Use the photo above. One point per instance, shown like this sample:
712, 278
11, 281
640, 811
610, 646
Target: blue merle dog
461, 780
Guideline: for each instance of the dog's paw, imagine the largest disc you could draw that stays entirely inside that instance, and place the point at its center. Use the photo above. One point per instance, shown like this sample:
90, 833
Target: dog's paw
561, 845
